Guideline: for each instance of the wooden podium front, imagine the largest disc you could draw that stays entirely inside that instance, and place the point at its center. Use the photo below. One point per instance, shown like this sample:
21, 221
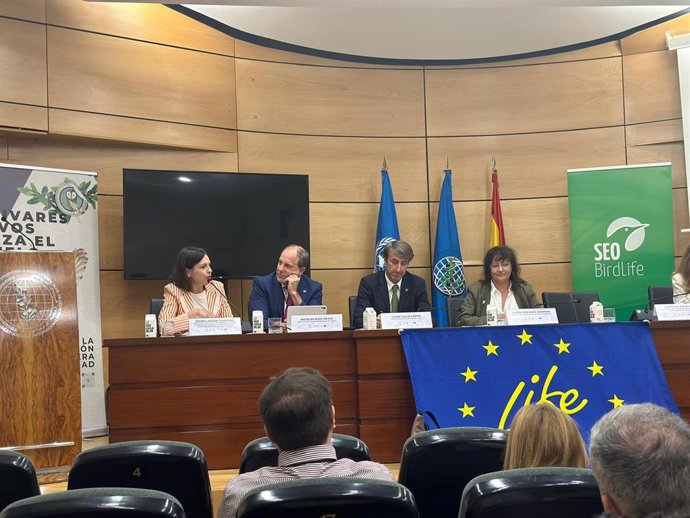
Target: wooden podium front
40, 394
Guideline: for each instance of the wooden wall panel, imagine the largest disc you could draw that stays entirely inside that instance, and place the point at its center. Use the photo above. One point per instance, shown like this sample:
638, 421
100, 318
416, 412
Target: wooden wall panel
652, 91
537, 98
342, 234
3, 149
135, 21
339, 168
109, 159
658, 142
529, 165
19, 118
653, 38
102, 74
34, 10
23, 62
329, 101
126, 129
111, 239
124, 304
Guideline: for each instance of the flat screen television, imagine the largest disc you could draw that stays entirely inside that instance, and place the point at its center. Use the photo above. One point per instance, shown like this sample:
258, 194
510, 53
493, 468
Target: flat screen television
242, 220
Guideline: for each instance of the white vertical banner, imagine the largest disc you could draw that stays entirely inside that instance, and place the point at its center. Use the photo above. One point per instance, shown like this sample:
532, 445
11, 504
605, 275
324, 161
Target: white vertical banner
684, 76
56, 210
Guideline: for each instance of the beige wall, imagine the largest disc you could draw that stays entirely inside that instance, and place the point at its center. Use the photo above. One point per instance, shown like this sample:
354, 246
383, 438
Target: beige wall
101, 87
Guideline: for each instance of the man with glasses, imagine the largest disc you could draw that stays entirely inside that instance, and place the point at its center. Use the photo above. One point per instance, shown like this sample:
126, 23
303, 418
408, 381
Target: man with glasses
502, 287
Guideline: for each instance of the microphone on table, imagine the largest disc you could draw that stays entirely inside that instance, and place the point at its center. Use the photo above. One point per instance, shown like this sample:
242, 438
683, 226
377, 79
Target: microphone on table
234, 308
18, 229
648, 312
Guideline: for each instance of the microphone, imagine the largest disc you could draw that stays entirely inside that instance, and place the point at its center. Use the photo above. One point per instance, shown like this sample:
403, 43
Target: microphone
652, 301
18, 229
234, 308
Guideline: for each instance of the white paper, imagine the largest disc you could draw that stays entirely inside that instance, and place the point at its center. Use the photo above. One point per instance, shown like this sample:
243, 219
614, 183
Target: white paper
672, 311
215, 326
408, 320
312, 323
521, 317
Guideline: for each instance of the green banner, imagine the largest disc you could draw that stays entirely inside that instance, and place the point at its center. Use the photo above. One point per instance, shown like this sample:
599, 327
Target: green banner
621, 232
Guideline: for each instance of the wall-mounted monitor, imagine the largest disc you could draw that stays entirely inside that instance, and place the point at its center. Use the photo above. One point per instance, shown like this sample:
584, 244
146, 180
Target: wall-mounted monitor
242, 220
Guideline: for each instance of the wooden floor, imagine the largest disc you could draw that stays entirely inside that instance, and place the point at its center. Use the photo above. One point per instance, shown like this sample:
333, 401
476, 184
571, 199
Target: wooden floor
57, 481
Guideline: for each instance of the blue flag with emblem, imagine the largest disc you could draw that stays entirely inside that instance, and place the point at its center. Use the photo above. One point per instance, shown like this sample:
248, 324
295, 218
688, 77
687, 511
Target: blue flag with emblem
387, 227
481, 376
448, 271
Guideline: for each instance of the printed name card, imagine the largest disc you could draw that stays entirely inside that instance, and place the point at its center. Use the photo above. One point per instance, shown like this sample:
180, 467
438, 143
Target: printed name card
672, 311
215, 326
528, 316
312, 323
410, 320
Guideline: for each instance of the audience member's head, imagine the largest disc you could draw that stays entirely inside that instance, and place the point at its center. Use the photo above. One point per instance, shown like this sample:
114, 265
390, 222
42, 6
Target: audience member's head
542, 435
640, 457
297, 409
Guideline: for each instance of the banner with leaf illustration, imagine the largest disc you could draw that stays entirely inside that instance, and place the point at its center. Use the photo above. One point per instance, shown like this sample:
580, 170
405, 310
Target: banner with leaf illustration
56, 209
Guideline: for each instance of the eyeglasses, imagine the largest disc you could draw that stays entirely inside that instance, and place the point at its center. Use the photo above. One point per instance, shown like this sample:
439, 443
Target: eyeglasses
503, 265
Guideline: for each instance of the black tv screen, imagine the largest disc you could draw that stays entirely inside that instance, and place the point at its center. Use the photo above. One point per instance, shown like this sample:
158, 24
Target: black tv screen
242, 220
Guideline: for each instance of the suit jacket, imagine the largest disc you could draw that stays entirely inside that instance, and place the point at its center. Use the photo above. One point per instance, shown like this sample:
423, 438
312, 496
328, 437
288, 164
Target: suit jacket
473, 311
267, 295
177, 302
373, 293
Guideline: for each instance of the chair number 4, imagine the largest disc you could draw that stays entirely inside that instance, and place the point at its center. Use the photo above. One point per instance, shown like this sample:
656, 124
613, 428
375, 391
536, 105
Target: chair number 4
137, 472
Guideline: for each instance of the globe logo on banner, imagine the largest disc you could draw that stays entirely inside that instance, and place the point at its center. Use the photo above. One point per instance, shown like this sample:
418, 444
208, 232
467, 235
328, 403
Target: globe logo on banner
630, 226
378, 254
70, 200
30, 303
449, 276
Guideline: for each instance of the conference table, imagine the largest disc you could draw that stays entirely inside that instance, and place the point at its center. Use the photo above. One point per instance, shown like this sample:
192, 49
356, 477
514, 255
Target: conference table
205, 389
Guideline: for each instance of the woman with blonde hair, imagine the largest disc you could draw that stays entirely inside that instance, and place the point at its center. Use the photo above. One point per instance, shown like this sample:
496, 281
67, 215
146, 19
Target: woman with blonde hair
542, 435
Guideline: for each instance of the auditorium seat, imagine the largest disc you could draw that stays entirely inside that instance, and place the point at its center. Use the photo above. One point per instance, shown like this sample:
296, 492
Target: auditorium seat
436, 465
17, 478
572, 307
262, 452
110, 502
659, 295
533, 492
345, 497
155, 306
177, 468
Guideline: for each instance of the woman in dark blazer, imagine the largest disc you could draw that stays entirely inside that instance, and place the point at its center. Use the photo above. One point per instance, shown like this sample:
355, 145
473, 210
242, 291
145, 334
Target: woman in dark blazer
502, 287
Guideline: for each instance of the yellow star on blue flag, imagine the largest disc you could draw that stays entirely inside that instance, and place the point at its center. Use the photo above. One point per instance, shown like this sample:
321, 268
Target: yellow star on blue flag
491, 348
469, 375
562, 347
467, 410
525, 338
596, 369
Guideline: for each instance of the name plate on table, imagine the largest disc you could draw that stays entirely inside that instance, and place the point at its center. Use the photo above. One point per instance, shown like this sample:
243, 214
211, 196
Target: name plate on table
408, 320
528, 316
672, 311
215, 326
312, 323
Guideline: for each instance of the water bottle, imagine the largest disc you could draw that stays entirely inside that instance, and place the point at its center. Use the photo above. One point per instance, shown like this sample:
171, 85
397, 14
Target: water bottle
491, 315
369, 318
596, 312
150, 326
257, 321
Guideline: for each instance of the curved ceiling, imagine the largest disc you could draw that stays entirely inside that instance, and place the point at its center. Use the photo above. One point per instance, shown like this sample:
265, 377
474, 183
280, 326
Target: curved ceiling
428, 30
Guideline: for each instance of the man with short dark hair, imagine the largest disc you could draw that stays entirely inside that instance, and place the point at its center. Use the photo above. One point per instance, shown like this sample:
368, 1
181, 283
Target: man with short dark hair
640, 456
299, 418
393, 290
287, 286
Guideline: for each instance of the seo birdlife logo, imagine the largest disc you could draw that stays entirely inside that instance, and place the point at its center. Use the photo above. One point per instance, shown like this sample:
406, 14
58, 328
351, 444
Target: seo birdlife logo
624, 234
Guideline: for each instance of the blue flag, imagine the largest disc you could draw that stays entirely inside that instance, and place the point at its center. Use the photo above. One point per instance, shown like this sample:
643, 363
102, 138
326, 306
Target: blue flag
481, 376
448, 271
387, 227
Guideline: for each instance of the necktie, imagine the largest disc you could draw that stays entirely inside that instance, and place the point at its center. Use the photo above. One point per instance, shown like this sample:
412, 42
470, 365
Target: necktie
394, 298
288, 303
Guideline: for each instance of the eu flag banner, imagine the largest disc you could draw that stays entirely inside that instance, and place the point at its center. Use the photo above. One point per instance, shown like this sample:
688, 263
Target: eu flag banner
481, 376
387, 227
449, 272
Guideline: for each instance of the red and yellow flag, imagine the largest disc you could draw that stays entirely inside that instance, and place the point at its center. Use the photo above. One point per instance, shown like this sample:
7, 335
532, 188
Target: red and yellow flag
497, 233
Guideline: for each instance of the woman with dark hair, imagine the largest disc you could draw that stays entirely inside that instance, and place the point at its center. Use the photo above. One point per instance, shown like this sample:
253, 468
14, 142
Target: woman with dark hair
501, 287
681, 280
192, 293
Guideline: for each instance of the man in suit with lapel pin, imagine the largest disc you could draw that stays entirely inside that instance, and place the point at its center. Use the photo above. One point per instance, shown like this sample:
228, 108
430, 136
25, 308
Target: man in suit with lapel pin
287, 286
394, 290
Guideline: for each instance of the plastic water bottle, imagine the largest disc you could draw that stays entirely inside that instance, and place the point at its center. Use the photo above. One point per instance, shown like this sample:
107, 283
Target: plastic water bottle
150, 326
257, 321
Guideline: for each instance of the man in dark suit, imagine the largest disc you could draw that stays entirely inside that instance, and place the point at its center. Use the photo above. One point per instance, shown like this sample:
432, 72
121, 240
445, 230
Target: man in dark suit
287, 286
394, 290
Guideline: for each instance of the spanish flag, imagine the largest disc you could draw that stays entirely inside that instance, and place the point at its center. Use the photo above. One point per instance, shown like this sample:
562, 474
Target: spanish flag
497, 233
